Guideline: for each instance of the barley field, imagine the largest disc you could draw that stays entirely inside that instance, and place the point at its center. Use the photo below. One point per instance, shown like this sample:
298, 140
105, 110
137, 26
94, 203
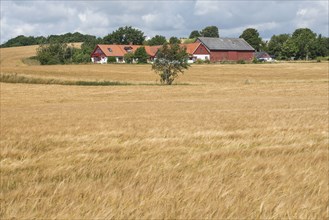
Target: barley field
227, 142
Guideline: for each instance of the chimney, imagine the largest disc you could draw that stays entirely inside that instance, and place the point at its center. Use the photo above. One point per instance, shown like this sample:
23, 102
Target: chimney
130, 43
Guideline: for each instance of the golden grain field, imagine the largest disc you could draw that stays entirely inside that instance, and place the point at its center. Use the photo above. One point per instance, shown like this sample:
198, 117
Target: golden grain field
236, 142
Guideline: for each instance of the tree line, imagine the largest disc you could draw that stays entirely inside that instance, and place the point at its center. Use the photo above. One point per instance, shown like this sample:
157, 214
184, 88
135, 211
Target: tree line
22, 40
123, 35
303, 43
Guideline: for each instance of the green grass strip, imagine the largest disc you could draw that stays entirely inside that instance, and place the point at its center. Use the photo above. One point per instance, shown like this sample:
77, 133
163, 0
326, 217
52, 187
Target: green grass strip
15, 78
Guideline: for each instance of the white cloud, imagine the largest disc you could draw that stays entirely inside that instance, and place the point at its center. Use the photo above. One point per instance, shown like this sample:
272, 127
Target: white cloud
82, 17
168, 18
205, 7
313, 15
149, 18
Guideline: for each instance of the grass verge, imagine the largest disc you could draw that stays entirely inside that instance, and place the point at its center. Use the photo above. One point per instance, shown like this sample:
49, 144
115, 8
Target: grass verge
15, 78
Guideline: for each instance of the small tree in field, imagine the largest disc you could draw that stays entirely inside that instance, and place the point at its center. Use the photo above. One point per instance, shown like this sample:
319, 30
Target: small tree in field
171, 60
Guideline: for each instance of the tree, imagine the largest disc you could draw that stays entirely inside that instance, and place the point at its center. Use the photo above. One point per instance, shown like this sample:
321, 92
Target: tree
305, 41
140, 55
78, 56
20, 40
61, 53
251, 35
125, 35
89, 45
289, 49
174, 40
210, 31
171, 60
129, 57
195, 34
54, 53
276, 43
322, 46
157, 40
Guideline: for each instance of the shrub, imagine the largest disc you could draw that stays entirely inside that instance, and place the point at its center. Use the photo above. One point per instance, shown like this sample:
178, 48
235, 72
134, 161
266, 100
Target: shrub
226, 62
199, 61
54, 53
129, 57
255, 60
80, 57
241, 62
111, 60
207, 61
141, 55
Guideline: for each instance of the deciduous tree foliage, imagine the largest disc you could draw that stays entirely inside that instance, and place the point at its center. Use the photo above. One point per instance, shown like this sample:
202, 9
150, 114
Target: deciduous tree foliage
302, 44
171, 60
83, 55
210, 31
305, 41
289, 49
251, 35
54, 53
276, 43
174, 40
157, 40
195, 34
140, 55
129, 57
22, 40
125, 35
322, 46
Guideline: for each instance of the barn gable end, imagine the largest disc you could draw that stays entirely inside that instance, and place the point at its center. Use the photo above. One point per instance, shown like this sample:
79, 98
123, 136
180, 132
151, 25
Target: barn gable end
230, 49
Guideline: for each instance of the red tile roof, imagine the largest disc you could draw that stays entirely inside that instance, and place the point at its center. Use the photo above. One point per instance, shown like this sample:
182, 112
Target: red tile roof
120, 50
191, 48
115, 50
152, 50
111, 50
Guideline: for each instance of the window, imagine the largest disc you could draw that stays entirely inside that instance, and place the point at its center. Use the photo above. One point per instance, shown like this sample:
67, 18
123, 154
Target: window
128, 49
110, 50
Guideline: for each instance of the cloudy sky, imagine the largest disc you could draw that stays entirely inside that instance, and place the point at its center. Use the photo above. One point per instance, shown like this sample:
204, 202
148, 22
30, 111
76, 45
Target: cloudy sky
168, 18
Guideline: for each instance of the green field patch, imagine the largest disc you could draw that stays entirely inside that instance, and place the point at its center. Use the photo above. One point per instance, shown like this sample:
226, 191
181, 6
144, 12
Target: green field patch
15, 78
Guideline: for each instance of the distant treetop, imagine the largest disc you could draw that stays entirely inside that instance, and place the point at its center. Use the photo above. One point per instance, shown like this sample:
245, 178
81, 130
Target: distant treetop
22, 40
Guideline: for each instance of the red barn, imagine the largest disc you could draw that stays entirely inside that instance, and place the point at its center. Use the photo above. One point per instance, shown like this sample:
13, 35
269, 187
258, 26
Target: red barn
227, 49
196, 51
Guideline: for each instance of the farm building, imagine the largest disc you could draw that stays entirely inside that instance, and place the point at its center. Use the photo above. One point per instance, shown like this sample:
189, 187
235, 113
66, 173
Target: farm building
204, 48
101, 53
196, 51
263, 56
227, 49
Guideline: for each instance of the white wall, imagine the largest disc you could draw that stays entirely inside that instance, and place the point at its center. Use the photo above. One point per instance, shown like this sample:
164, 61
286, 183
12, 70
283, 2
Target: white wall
202, 56
102, 60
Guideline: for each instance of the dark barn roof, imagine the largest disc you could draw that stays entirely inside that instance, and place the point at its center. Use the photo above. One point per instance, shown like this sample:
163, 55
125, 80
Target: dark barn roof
262, 55
226, 44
